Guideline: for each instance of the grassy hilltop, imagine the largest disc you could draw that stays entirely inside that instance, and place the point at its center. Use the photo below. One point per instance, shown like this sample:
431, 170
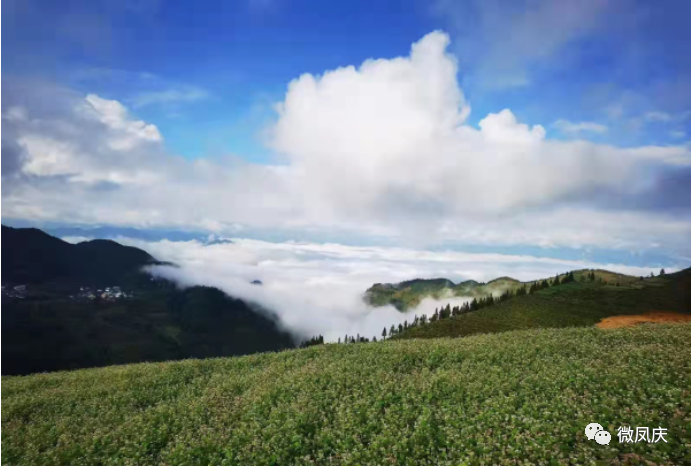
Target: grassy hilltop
520, 397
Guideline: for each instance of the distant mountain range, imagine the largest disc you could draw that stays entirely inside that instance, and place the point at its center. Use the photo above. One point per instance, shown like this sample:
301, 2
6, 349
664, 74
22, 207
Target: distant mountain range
147, 235
49, 329
408, 294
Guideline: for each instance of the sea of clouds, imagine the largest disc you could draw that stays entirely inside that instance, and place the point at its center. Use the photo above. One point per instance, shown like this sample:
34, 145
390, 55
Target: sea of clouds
318, 288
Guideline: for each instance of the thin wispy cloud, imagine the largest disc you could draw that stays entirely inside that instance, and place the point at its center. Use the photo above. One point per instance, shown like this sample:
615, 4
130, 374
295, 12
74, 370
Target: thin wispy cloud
568, 127
503, 41
170, 96
658, 116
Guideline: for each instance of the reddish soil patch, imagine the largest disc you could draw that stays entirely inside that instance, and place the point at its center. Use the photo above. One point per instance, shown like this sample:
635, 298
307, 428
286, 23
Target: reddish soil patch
650, 317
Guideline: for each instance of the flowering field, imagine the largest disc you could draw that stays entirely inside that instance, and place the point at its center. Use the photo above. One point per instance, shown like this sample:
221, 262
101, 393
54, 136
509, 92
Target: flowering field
521, 397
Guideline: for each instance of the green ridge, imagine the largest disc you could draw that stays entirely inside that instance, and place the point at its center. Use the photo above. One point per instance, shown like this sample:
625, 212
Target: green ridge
409, 294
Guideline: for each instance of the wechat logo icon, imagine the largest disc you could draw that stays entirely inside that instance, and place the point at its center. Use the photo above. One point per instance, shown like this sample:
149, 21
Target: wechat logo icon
595, 431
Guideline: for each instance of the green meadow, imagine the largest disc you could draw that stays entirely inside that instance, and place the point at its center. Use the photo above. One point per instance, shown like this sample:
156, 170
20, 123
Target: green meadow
519, 397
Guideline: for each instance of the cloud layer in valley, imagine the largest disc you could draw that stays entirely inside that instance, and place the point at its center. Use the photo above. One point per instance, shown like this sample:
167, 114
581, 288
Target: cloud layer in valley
380, 149
318, 288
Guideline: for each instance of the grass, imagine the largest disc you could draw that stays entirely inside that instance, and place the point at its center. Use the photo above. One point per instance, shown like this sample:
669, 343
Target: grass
520, 397
570, 305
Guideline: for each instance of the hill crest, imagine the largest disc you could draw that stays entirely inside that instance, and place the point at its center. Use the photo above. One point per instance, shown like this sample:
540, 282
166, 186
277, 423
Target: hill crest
30, 255
408, 294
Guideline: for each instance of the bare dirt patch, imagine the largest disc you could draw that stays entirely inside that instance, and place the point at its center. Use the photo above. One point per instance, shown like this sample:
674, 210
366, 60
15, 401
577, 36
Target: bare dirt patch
650, 317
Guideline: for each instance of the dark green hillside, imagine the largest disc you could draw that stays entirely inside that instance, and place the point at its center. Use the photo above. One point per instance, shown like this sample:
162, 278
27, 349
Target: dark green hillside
466, 288
30, 255
568, 305
513, 398
158, 325
51, 328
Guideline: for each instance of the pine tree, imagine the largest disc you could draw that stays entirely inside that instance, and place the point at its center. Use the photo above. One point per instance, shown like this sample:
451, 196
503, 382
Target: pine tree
662, 272
383, 333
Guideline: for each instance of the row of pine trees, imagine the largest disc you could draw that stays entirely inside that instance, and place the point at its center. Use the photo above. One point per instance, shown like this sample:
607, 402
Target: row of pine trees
318, 340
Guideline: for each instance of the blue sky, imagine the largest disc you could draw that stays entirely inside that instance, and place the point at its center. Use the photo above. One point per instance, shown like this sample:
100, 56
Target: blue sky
593, 82
223, 65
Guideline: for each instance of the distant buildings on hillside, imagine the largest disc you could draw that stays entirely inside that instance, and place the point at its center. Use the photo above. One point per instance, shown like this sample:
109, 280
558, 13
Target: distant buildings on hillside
16, 291
108, 294
85, 293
